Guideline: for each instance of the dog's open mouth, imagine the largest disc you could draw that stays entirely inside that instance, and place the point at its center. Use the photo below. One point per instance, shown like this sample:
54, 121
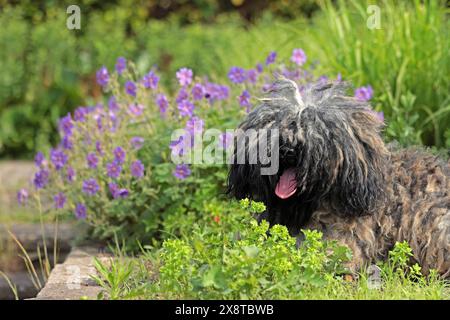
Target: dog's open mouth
287, 185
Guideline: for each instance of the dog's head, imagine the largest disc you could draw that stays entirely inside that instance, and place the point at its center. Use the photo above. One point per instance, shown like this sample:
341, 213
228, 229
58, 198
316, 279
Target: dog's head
329, 146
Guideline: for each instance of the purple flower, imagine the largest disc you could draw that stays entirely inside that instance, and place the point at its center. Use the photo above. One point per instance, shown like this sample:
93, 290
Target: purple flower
116, 192
41, 179
122, 193
22, 197
58, 158
162, 103
98, 147
80, 211
70, 174
178, 146
198, 92
298, 57
244, 99
184, 76
236, 75
66, 142
90, 186
323, 79
150, 80
271, 58
112, 104
339, 77
195, 125
137, 169
252, 75
113, 170
60, 200
364, 93
225, 139
182, 171
39, 159
80, 114
182, 95
102, 76
216, 92
121, 65
66, 125
137, 142
92, 160
119, 155
130, 88
186, 108
136, 109
259, 68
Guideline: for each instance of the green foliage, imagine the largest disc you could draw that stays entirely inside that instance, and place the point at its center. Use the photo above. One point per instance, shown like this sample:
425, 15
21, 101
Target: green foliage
236, 258
406, 61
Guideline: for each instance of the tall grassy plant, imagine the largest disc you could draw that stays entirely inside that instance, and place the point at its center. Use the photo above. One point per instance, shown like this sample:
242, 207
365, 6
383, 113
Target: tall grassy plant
406, 61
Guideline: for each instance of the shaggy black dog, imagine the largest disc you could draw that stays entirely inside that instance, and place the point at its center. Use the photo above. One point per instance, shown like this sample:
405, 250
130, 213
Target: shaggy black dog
335, 174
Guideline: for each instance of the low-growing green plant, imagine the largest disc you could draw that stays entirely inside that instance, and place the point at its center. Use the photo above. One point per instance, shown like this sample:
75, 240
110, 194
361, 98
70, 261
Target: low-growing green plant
234, 257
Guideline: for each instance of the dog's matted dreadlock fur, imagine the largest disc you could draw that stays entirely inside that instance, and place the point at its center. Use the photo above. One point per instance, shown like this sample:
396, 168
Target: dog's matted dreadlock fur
347, 183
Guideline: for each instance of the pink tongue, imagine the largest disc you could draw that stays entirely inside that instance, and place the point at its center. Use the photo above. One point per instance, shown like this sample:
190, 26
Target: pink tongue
287, 185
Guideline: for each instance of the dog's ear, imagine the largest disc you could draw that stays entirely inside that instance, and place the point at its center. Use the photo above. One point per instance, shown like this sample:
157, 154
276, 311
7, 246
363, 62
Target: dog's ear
360, 184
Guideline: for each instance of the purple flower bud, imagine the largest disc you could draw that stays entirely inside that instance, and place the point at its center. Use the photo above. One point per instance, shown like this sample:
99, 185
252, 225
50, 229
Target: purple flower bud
119, 155
92, 160
252, 75
162, 103
130, 88
58, 158
66, 125
41, 179
66, 143
98, 147
121, 65
39, 159
244, 100
271, 58
259, 68
102, 76
112, 104
22, 197
80, 211
80, 114
70, 174
60, 200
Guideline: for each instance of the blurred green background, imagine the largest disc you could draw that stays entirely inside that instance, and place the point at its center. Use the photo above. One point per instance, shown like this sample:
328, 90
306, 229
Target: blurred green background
47, 70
